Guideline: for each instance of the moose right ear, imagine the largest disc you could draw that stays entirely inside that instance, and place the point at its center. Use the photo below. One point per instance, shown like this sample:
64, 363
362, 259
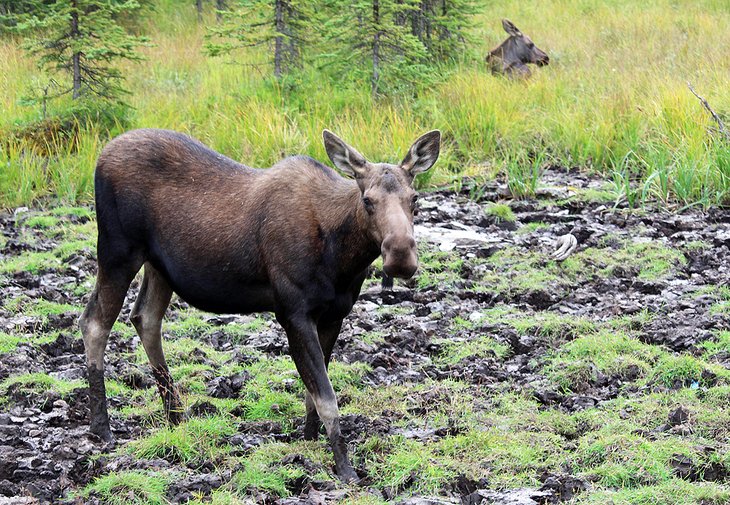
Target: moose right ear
510, 28
345, 157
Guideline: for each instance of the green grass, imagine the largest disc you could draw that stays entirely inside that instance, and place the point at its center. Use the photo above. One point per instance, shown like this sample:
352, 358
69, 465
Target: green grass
642, 258
501, 212
70, 239
528, 228
684, 370
41, 222
131, 487
437, 268
720, 343
37, 383
260, 472
8, 342
197, 440
514, 271
575, 365
400, 463
455, 350
672, 492
613, 99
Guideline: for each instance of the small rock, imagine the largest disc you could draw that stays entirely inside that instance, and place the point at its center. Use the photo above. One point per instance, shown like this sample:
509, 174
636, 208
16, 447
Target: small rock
678, 416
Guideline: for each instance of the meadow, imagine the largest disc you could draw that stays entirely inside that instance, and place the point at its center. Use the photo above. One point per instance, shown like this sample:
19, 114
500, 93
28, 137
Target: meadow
614, 100
496, 373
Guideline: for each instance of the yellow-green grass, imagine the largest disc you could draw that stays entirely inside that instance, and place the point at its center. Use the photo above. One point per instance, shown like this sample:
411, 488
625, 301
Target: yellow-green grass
613, 98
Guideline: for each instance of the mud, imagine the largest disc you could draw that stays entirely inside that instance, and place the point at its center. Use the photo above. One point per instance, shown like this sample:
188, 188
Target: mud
46, 450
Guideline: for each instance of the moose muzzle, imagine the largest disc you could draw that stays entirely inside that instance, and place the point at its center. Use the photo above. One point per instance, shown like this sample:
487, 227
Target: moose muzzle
399, 256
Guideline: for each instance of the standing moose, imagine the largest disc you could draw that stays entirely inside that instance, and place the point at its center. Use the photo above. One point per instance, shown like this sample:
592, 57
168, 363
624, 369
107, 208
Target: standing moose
512, 56
296, 239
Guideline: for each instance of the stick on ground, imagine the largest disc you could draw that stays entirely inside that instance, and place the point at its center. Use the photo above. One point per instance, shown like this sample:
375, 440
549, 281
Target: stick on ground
720, 124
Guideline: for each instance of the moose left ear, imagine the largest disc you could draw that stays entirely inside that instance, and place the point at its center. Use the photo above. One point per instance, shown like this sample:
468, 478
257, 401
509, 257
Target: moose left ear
423, 153
510, 28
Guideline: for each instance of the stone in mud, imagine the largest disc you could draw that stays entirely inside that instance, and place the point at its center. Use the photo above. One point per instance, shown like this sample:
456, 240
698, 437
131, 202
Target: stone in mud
563, 487
549, 397
682, 465
227, 387
464, 486
579, 402
203, 408
65, 343
522, 496
678, 416
193, 487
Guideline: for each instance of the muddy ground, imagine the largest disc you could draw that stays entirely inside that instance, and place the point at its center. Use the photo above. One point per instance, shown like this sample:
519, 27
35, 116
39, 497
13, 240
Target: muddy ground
496, 375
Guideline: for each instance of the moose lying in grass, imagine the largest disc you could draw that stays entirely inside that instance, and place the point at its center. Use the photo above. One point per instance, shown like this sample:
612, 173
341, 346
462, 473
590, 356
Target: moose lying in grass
296, 239
512, 56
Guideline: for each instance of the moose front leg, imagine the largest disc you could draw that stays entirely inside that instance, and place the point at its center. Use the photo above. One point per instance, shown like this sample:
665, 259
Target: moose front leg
309, 359
328, 333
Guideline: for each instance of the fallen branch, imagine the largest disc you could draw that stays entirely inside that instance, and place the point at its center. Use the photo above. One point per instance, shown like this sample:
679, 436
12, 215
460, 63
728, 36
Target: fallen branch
720, 124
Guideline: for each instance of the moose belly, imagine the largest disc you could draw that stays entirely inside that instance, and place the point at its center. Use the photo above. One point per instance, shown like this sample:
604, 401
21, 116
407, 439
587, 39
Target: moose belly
215, 287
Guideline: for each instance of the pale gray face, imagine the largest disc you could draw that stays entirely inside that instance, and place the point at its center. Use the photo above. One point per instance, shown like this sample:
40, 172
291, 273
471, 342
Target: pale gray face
388, 197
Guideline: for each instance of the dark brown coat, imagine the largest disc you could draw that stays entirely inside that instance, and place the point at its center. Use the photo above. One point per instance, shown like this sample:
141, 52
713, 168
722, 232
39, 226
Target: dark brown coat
296, 239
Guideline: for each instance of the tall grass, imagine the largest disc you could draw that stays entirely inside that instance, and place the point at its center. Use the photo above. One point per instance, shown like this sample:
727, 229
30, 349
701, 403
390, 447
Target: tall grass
613, 100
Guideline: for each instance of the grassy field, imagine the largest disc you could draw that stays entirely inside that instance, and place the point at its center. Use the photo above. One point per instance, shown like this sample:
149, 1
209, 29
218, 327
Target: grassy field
614, 99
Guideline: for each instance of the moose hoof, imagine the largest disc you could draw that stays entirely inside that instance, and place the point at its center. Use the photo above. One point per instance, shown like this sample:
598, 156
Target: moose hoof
348, 476
104, 433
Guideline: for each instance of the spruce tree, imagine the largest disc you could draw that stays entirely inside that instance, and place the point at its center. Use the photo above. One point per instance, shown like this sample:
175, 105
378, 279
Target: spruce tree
443, 26
373, 35
77, 42
278, 25
11, 11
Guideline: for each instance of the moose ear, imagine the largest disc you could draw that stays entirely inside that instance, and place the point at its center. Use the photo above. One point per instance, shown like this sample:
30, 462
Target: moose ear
346, 158
510, 28
423, 153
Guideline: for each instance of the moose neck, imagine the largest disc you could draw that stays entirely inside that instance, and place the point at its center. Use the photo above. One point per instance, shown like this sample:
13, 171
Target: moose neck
346, 219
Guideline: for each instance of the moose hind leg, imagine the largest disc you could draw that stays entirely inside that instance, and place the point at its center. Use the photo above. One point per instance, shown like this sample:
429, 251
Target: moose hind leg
309, 359
149, 309
96, 322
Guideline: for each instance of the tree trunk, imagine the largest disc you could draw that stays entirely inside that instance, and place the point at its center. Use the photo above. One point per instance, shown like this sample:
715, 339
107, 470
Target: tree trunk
220, 5
376, 47
199, 8
279, 38
76, 57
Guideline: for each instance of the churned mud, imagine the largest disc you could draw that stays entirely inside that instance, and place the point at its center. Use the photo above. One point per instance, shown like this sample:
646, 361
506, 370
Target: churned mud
496, 375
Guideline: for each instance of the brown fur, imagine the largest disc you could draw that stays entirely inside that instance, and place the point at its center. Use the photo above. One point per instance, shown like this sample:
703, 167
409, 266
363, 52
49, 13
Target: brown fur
513, 55
295, 239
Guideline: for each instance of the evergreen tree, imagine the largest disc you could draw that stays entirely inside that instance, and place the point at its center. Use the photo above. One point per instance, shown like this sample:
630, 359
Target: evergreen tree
442, 26
279, 25
373, 35
81, 39
12, 10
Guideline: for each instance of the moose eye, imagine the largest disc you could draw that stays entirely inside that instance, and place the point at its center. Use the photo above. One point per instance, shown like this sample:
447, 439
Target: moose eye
414, 205
368, 204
